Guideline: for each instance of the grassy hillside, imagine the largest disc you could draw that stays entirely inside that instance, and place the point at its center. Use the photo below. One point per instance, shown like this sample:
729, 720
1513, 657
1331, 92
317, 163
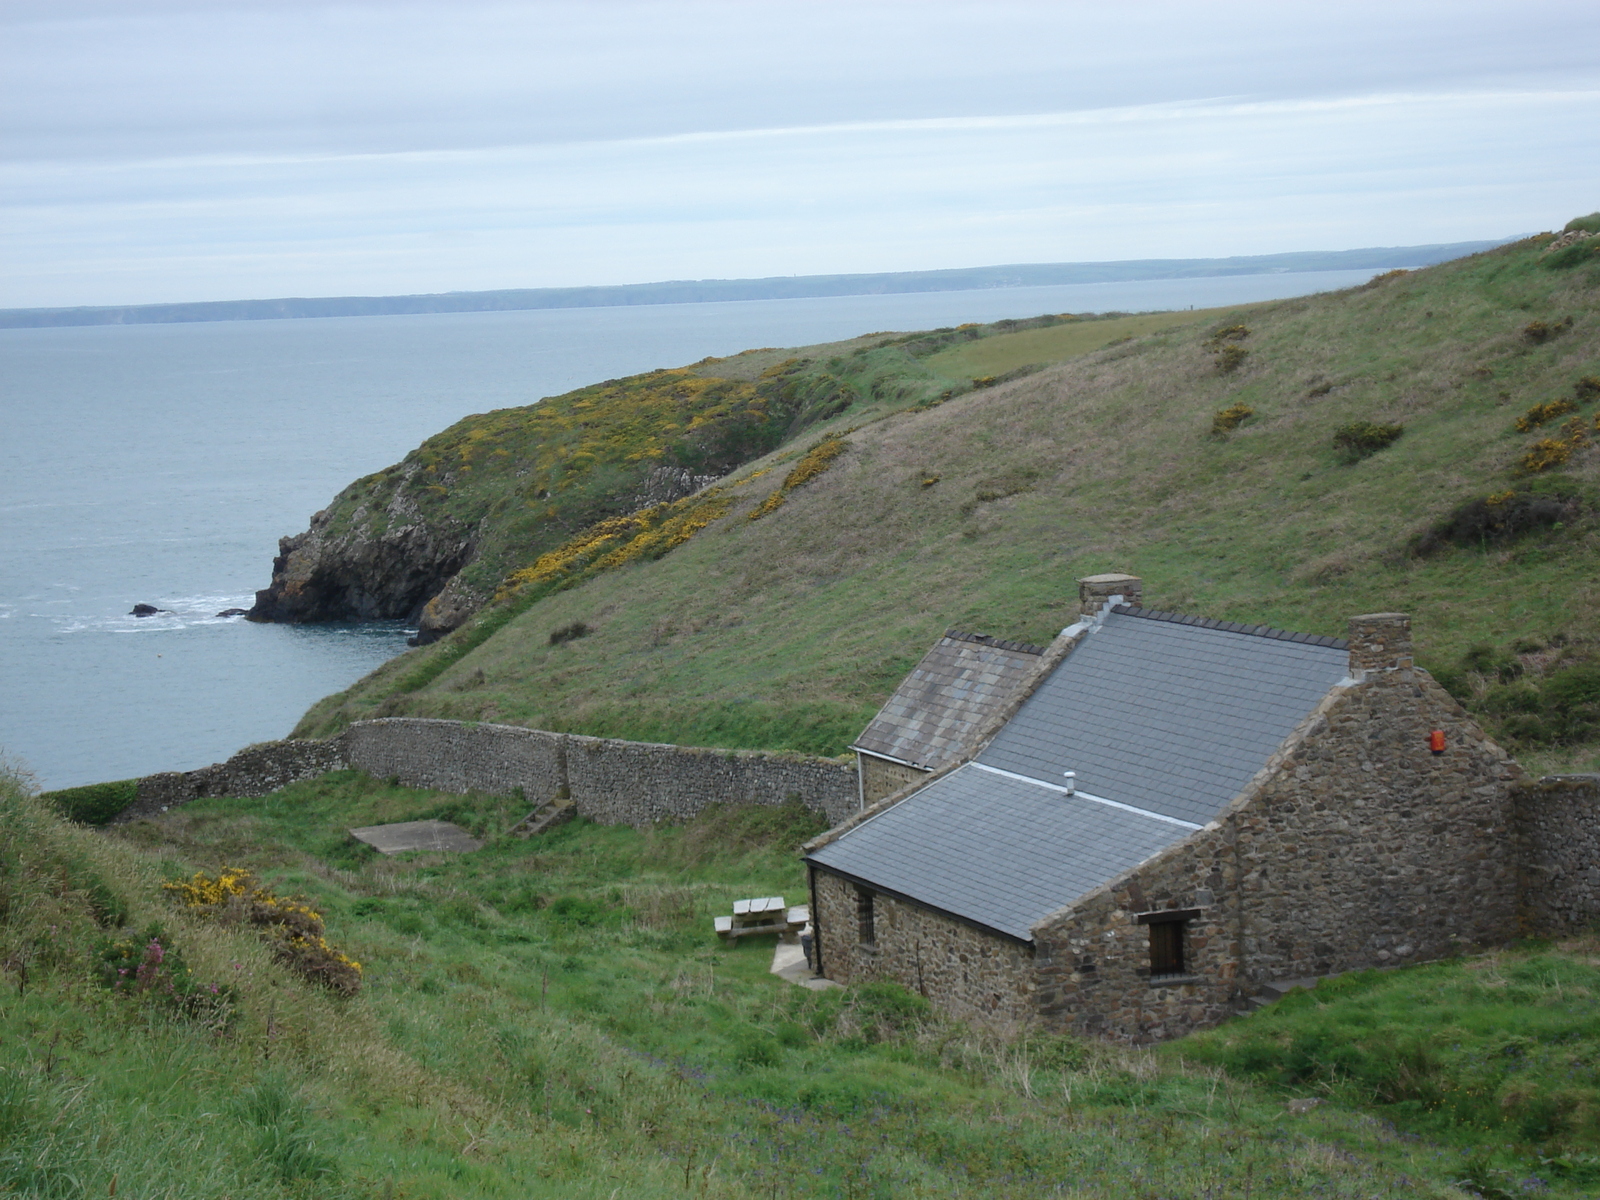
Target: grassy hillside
980, 510
553, 1018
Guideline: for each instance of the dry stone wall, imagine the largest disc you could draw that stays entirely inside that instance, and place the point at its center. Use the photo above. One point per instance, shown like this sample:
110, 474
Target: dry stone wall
612, 782
458, 756
967, 972
1558, 832
254, 771
635, 783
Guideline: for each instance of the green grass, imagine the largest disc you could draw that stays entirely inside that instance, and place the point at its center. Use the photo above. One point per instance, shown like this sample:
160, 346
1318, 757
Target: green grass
553, 1018
1001, 353
788, 632
1498, 1051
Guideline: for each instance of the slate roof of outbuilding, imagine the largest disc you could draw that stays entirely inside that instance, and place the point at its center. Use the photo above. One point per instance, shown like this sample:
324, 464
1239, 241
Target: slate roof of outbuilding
960, 684
1163, 718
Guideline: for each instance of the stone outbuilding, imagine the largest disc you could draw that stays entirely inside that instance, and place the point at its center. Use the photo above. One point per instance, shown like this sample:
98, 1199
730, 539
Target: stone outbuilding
960, 688
1133, 832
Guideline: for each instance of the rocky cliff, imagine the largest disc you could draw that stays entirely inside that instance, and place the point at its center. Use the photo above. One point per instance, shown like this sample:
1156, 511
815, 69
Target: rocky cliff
431, 538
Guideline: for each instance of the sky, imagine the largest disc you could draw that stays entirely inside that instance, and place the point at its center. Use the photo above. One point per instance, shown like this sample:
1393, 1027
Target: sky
159, 151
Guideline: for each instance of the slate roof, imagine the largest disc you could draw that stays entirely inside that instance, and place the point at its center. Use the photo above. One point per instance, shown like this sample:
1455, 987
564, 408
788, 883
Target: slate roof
997, 851
960, 684
1163, 718
1165, 715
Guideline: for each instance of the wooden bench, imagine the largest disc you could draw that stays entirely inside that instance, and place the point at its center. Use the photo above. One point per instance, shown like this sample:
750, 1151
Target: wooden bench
763, 914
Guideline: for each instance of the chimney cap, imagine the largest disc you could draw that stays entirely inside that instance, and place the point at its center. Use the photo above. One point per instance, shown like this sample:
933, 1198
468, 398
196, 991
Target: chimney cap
1113, 577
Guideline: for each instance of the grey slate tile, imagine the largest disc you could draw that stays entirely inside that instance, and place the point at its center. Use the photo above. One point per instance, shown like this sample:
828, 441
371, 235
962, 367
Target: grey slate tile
1000, 852
959, 685
1174, 718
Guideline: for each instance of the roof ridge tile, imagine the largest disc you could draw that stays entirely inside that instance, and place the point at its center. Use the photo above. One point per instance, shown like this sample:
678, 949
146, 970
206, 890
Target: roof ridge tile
1266, 631
984, 639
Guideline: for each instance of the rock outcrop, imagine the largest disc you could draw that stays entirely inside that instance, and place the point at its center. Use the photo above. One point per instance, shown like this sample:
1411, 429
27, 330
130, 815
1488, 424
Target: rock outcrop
433, 537
365, 563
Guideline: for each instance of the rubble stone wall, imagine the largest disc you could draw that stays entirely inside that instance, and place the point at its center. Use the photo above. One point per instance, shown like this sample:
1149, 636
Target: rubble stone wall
965, 971
1355, 847
880, 777
1558, 835
612, 782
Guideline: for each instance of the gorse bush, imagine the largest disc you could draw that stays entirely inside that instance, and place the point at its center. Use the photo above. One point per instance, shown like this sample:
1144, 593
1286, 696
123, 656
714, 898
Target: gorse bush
638, 537
291, 927
1543, 414
568, 633
1362, 439
1223, 345
1230, 359
1225, 420
1544, 454
1533, 694
812, 463
1499, 518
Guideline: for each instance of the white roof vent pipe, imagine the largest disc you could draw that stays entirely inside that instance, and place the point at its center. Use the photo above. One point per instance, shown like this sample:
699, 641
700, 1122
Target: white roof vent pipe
1072, 782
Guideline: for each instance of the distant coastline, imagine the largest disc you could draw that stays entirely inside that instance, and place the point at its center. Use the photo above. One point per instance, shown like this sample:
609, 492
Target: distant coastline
783, 287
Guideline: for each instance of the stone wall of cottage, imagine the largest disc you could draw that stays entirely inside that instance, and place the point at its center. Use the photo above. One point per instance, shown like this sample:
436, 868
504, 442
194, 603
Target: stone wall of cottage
1092, 963
611, 782
880, 777
1558, 835
965, 971
1355, 847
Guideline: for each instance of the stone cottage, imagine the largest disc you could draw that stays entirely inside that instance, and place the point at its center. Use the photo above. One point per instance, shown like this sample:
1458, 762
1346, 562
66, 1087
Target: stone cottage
1162, 814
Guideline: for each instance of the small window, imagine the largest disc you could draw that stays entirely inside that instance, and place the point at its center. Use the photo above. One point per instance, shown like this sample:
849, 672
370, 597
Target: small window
1166, 948
867, 934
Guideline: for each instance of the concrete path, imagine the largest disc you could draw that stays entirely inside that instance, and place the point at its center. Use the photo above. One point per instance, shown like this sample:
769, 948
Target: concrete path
788, 963
416, 835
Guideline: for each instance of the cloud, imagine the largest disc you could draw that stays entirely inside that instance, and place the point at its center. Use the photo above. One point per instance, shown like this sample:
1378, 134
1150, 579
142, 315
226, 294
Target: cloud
243, 150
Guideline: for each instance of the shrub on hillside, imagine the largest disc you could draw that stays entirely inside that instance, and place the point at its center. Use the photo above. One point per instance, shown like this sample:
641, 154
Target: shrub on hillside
1587, 389
1361, 439
292, 928
1539, 332
812, 463
568, 633
149, 967
1230, 358
1531, 695
1386, 277
1588, 224
1497, 519
1225, 420
95, 803
1543, 414
1544, 454
1226, 353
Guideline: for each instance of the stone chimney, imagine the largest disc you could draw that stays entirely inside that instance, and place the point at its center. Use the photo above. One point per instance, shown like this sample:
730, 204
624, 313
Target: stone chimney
1094, 590
1379, 642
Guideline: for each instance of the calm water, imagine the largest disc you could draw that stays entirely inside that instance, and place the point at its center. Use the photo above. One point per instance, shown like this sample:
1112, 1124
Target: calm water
159, 464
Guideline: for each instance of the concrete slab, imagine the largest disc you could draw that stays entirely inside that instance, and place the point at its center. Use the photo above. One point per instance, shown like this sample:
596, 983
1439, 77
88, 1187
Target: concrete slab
789, 964
416, 835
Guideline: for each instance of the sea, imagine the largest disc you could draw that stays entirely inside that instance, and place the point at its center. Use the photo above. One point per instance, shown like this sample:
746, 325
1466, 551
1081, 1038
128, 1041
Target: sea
159, 465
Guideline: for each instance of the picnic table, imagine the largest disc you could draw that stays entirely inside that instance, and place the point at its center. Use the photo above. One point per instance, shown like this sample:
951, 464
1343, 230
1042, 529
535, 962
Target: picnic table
763, 914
